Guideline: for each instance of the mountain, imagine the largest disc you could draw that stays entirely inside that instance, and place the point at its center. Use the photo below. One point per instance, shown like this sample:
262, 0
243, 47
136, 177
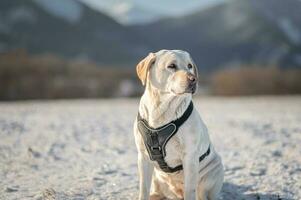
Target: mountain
141, 12
229, 33
67, 28
135, 14
236, 31
127, 11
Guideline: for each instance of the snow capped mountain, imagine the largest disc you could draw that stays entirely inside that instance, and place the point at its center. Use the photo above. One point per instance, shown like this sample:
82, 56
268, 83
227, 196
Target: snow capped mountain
234, 31
285, 15
125, 12
19, 14
290, 30
133, 14
69, 10
140, 12
67, 28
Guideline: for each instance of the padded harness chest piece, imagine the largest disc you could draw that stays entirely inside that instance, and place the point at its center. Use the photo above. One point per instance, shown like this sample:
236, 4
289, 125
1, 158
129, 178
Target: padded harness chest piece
155, 139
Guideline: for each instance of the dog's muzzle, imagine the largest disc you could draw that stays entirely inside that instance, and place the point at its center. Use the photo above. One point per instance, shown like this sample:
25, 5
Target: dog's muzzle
191, 88
192, 81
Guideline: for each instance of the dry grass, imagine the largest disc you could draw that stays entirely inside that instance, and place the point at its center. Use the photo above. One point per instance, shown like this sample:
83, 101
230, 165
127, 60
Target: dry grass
31, 77
255, 80
49, 77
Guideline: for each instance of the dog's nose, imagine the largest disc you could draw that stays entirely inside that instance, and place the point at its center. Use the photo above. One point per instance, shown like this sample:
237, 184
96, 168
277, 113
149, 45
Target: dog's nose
191, 78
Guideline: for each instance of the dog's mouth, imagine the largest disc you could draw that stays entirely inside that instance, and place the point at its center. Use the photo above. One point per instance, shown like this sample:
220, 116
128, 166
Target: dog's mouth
191, 88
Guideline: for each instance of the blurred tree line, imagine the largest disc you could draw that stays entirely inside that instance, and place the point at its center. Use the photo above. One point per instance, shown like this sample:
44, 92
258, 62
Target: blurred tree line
49, 77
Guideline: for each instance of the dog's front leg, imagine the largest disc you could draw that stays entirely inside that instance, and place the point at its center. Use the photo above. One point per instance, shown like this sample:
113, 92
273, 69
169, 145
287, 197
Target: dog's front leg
190, 167
145, 176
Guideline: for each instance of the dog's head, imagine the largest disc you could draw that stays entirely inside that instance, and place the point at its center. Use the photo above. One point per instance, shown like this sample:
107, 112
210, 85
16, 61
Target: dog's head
171, 71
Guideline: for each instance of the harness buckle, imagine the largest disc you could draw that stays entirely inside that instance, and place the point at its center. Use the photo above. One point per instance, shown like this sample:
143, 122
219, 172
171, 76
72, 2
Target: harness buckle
156, 148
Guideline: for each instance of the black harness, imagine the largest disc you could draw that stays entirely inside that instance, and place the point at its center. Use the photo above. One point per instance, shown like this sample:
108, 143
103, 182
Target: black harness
155, 139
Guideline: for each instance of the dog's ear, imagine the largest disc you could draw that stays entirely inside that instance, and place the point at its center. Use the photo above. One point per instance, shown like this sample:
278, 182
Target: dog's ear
144, 65
195, 69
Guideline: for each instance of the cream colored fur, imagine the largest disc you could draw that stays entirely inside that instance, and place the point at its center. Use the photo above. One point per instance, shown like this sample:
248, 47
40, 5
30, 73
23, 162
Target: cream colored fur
166, 97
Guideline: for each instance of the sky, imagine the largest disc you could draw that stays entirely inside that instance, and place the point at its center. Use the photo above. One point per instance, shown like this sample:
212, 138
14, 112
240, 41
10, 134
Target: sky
141, 11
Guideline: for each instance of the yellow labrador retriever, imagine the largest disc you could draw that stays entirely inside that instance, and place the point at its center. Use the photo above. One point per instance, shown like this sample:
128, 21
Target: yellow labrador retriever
176, 159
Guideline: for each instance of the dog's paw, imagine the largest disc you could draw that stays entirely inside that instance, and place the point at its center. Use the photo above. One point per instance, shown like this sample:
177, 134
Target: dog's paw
156, 197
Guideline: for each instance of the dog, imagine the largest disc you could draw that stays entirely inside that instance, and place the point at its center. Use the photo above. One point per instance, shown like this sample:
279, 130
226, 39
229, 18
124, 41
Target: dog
176, 159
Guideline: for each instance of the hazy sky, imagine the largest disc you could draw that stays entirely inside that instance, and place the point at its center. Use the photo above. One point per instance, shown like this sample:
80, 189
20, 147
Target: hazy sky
118, 8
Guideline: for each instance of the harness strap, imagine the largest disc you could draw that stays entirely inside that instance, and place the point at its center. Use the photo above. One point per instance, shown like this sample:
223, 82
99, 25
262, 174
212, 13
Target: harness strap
178, 122
155, 139
202, 157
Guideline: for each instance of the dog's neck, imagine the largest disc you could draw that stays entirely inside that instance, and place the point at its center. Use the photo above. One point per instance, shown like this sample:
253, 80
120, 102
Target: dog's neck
159, 108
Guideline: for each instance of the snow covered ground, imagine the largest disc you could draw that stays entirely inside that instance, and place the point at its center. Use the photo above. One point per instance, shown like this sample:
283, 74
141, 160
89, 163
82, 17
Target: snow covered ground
84, 149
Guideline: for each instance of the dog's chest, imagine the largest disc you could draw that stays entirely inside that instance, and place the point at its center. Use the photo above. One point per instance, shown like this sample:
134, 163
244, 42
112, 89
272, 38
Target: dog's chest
173, 151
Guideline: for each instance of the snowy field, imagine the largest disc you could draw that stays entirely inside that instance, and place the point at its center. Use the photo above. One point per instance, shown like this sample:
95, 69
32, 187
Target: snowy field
84, 149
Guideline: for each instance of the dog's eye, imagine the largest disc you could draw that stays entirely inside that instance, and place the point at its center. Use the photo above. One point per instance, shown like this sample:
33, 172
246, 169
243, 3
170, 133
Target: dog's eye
189, 66
172, 66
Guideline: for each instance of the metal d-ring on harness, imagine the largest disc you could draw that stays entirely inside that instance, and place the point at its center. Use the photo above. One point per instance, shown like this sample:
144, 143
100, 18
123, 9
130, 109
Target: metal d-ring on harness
155, 139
